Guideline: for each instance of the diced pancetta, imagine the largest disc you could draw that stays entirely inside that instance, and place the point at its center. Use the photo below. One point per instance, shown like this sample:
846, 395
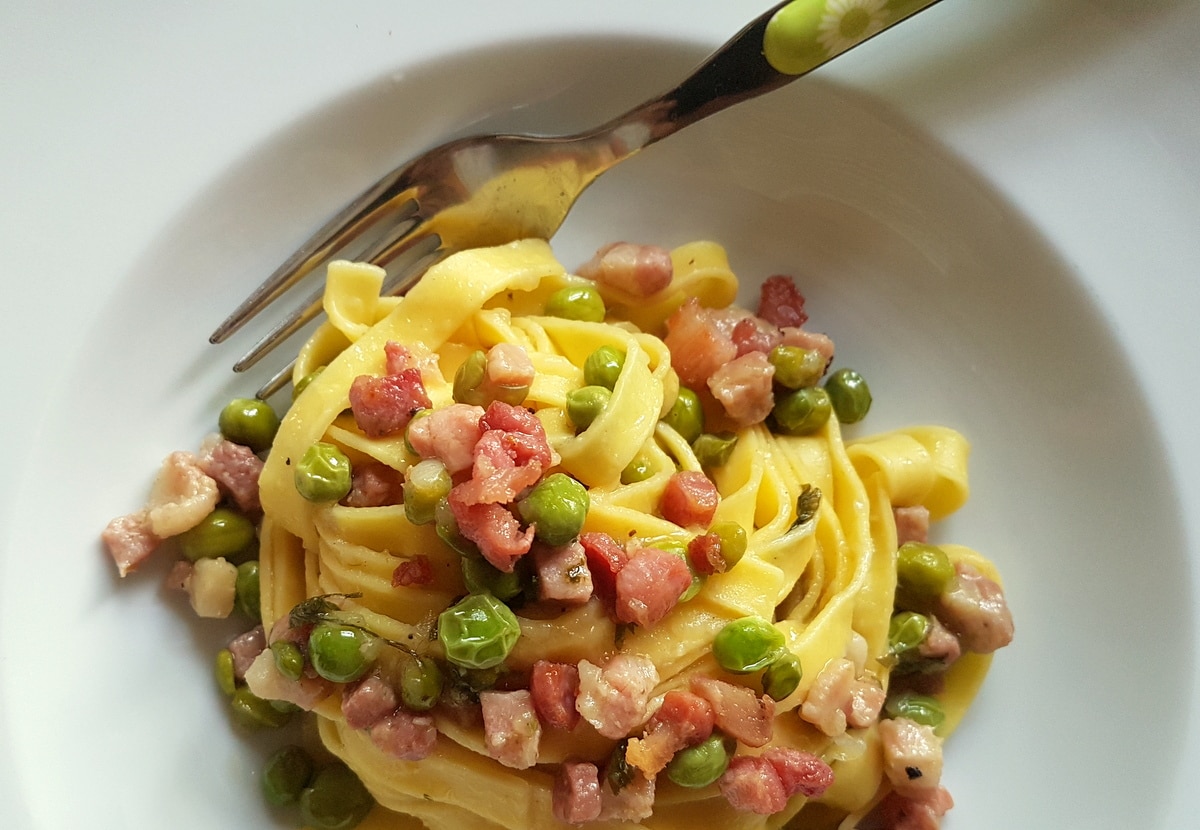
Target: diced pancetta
800, 772
912, 523
576, 795
177, 578
975, 609
383, 406
698, 345
182, 496
633, 802
837, 699
754, 334
737, 710
374, 485
129, 541
494, 530
448, 434
751, 784
405, 735
912, 756
614, 698
649, 586
562, 573
236, 469
744, 388
555, 687
368, 701
684, 719
496, 475
245, 647
781, 303
398, 357
511, 731
689, 499
939, 645
922, 811
264, 679
706, 555
508, 367
413, 572
813, 341
605, 559
639, 270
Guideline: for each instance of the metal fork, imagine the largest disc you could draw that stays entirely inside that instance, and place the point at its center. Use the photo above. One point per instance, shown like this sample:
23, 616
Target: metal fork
489, 190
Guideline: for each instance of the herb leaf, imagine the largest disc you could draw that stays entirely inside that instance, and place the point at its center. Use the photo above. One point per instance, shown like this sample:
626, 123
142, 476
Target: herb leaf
806, 505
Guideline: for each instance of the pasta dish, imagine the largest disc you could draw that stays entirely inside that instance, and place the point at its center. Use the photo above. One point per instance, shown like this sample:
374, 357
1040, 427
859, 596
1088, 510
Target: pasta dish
537, 549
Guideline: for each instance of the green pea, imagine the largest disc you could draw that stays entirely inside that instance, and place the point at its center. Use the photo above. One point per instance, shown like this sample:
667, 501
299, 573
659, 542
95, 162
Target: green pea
577, 302
425, 484
849, 394
223, 669
603, 367
468, 379
585, 404
795, 367
802, 412
285, 774
747, 645
222, 533
480, 575
478, 632
923, 571
922, 709
782, 677
252, 712
733, 541
714, 450
306, 381
247, 594
288, 659
686, 415
340, 653
335, 800
420, 684
700, 765
639, 469
447, 530
906, 632
249, 421
557, 507
323, 473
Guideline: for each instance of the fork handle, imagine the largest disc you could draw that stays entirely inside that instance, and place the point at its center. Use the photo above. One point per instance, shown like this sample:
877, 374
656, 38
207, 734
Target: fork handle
791, 39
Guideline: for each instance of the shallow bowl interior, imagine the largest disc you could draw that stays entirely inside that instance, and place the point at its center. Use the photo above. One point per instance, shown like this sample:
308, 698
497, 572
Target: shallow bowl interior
955, 309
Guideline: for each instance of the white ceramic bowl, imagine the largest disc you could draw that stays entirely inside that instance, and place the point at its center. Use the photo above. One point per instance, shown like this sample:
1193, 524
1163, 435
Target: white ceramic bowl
959, 305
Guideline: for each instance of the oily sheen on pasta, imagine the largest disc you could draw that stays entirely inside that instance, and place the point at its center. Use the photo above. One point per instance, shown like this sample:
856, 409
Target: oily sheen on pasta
827, 582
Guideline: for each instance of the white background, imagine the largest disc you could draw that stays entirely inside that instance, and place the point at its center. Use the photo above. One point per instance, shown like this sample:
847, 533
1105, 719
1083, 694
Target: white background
1083, 114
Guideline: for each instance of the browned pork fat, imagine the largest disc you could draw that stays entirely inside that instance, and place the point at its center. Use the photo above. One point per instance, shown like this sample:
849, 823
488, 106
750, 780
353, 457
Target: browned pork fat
976, 611
640, 270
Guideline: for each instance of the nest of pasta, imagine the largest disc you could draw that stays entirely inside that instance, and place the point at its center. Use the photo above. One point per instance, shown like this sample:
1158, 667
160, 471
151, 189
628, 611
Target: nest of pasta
712, 641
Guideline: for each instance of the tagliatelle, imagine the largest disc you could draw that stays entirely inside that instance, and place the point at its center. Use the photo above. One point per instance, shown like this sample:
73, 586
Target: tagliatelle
827, 584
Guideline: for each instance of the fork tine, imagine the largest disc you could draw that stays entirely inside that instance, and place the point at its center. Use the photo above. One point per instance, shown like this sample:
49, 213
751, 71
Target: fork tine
393, 286
285, 329
278, 380
364, 211
390, 248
